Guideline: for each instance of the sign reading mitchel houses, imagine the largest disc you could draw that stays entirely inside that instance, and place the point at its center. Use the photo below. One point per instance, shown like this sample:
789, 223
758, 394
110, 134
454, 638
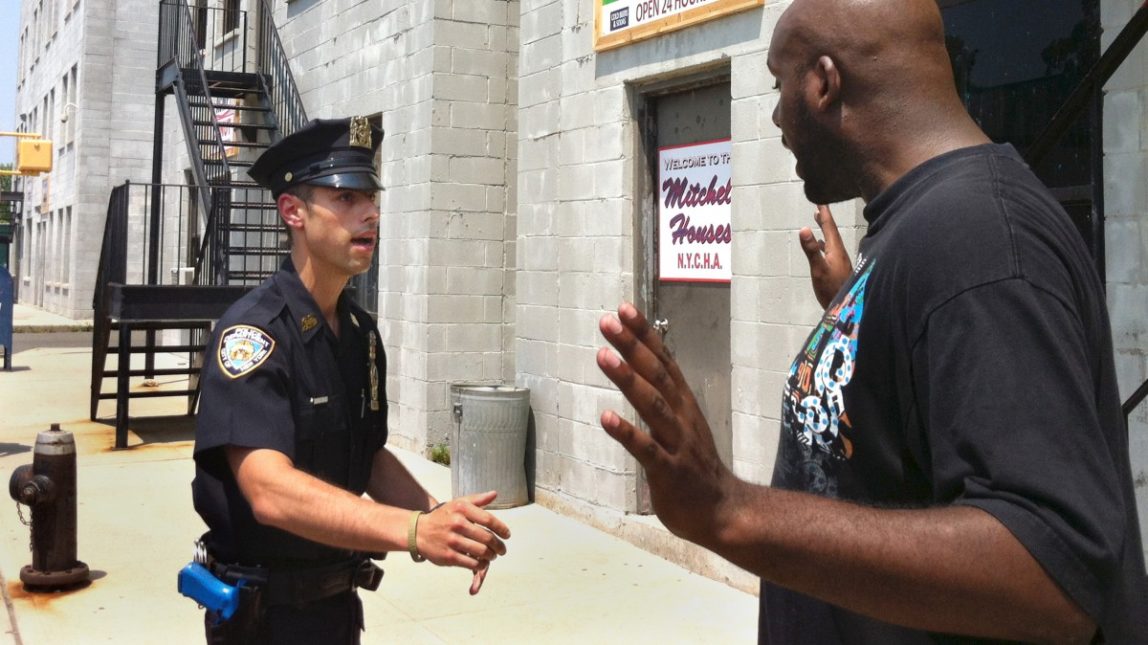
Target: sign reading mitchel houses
694, 234
621, 22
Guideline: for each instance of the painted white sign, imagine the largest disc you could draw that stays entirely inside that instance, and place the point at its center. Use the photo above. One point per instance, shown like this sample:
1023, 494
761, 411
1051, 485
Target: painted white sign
694, 197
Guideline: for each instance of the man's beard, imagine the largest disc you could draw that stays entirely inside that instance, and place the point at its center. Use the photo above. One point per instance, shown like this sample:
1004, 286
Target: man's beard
825, 164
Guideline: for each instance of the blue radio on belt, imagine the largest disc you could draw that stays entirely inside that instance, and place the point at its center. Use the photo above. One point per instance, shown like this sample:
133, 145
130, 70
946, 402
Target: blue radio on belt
218, 597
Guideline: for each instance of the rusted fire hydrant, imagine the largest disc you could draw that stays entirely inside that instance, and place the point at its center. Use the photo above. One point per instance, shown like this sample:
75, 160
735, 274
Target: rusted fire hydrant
48, 486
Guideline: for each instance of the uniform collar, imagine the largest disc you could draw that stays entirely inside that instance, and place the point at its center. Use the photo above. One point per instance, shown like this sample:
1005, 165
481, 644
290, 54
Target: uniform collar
305, 313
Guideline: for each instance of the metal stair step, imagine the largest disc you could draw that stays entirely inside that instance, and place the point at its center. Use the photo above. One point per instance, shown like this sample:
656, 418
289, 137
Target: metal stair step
222, 181
157, 324
253, 227
166, 371
161, 348
233, 144
264, 206
249, 275
226, 106
255, 251
245, 86
147, 395
244, 126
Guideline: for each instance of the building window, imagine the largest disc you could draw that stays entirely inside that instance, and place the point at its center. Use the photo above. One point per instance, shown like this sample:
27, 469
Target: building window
66, 258
50, 115
53, 270
23, 53
64, 112
71, 94
53, 20
35, 36
26, 250
230, 15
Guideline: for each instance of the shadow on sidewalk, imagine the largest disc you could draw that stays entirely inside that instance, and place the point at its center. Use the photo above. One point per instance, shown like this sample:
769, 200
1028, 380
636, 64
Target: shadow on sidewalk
158, 429
7, 449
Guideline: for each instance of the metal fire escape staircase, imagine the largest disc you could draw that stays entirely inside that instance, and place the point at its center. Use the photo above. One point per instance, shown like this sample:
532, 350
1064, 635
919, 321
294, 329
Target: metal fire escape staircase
205, 243
1087, 95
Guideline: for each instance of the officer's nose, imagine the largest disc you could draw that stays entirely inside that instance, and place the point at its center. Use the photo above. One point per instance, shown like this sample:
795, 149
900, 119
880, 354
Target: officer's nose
372, 213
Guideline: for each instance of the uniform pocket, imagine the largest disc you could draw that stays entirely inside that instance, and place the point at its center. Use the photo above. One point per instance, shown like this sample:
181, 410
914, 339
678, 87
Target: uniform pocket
320, 443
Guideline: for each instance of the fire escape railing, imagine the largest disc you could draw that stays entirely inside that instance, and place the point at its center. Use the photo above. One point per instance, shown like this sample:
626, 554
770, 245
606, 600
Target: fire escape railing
129, 229
180, 42
275, 75
201, 43
1077, 102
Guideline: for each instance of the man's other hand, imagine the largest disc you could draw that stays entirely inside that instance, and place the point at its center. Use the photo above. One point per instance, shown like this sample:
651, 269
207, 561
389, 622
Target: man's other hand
829, 263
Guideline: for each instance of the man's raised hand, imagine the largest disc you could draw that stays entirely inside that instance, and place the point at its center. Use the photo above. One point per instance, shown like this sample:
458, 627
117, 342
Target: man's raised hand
829, 263
688, 482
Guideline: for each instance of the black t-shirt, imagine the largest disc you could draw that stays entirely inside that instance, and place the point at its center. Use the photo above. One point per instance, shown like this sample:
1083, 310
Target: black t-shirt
277, 377
969, 361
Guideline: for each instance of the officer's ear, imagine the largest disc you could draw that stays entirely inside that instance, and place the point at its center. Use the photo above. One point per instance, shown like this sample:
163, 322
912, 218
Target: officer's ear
291, 210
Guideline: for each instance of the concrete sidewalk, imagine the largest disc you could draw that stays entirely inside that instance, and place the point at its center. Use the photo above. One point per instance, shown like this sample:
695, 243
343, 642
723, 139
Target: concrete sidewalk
561, 582
28, 319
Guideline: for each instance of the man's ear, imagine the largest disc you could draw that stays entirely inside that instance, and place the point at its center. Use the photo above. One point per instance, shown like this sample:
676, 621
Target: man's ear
291, 211
828, 83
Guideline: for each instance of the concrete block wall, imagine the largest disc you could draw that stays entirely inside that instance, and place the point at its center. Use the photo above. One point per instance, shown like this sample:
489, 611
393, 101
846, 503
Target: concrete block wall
580, 253
1126, 229
442, 75
578, 216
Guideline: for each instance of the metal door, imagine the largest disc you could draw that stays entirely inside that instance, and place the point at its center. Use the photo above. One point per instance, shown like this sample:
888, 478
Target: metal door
694, 316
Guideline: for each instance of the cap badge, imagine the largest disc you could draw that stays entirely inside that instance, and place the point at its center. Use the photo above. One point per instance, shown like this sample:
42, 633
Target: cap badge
242, 349
288, 177
309, 322
360, 132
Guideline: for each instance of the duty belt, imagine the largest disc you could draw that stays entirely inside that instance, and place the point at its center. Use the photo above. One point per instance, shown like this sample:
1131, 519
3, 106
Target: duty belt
291, 586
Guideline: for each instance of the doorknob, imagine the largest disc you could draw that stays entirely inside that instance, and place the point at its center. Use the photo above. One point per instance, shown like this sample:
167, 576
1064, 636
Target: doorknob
661, 325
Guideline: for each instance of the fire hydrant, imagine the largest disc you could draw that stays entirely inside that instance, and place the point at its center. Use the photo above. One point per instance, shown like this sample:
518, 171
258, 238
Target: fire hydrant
48, 486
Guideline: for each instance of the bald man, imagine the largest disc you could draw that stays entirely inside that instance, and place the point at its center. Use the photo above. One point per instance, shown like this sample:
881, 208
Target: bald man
953, 459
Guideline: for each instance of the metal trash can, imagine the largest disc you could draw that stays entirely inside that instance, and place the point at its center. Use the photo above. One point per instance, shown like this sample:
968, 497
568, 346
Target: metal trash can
488, 449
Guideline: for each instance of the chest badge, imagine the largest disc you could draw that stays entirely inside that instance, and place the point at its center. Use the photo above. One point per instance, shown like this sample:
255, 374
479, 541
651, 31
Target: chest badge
309, 322
243, 348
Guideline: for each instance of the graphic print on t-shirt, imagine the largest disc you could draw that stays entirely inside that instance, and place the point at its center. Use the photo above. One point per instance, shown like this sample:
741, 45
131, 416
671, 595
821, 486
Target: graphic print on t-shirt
815, 426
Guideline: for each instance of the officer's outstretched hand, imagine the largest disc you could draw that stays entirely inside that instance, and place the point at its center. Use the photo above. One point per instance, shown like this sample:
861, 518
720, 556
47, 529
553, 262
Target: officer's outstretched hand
462, 533
829, 263
689, 485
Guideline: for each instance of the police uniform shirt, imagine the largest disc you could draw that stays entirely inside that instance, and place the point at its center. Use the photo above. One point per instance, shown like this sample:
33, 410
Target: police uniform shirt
277, 377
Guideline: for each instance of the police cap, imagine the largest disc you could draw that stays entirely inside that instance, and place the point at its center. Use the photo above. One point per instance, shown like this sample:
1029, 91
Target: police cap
339, 153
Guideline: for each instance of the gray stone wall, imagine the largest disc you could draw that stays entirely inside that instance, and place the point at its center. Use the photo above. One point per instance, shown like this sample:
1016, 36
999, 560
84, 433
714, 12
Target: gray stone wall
441, 73
112, 44
1125, 231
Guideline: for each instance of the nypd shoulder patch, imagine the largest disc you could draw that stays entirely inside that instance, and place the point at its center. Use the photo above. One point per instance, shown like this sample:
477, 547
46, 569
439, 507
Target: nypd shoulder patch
243, 348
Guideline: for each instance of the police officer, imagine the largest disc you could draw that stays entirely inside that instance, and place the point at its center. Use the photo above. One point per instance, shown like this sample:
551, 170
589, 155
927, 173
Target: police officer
293, 419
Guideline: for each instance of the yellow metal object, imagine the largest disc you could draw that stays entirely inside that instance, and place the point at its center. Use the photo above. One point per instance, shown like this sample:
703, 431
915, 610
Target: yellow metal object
33, 156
